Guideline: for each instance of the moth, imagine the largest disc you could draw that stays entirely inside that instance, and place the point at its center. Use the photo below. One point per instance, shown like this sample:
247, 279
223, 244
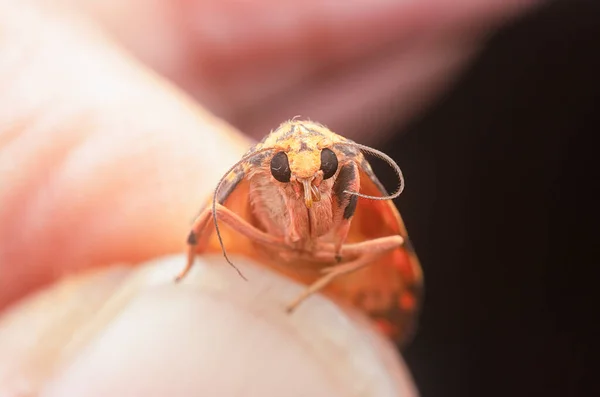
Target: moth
306, 202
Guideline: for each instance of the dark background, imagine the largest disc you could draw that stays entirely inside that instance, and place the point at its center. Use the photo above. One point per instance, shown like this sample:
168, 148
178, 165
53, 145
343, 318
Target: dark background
499, 203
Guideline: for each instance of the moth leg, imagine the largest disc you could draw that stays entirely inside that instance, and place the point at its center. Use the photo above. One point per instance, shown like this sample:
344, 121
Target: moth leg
381, 244
198, 227
326, 252
225, 215
341, 237
366, 253
332, 274
348, 180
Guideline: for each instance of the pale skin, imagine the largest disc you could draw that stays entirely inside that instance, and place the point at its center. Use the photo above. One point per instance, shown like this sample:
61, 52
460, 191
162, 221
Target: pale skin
91, 144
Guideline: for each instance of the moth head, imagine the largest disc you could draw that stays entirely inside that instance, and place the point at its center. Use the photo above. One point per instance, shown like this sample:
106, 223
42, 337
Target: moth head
305, 167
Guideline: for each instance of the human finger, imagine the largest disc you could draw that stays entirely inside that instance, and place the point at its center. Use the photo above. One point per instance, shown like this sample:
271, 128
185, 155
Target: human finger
101, 160
135, 332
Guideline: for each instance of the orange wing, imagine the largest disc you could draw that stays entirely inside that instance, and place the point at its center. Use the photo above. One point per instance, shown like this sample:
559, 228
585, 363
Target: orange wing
390, 289
234, 195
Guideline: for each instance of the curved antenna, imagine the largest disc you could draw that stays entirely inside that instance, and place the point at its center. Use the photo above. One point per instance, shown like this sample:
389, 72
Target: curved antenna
389, 161
214, 205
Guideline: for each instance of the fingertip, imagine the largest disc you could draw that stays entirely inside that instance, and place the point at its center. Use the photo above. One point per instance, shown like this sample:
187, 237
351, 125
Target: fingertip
214, 332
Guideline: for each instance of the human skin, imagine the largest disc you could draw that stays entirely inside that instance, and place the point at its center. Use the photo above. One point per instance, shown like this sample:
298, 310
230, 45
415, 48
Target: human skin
103, 161
357, 66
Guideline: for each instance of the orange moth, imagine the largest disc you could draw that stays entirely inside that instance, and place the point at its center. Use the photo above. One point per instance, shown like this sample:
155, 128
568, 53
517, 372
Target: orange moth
306, 202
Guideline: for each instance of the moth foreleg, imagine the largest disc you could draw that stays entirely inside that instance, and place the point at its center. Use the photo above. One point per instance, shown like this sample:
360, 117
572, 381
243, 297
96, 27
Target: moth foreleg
365, 252
332, 274
381, 244
200, 234
327, 252
348, 180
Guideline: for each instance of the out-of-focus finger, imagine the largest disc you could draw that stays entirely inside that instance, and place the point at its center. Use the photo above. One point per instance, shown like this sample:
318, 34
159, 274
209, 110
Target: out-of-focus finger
362, 101
100, 160
136, 332
243, 59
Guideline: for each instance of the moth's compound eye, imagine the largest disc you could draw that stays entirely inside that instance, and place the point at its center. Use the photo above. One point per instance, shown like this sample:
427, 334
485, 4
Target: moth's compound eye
280, 167
329, 163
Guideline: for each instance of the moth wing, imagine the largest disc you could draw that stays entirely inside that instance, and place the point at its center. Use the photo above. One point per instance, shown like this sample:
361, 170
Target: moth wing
234, 195
390, 288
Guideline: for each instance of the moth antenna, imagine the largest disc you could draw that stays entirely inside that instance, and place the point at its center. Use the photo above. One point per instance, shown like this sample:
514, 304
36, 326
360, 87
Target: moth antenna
390, 162
214, 206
